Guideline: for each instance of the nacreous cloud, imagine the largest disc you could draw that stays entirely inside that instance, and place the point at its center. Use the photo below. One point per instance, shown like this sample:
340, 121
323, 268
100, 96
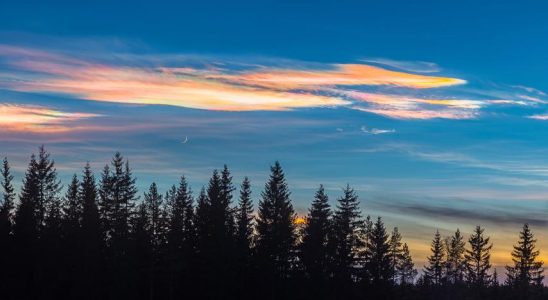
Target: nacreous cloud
37, 119
217, 84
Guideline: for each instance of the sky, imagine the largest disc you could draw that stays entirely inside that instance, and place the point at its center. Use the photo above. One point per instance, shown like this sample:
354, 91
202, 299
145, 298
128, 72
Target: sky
436, 112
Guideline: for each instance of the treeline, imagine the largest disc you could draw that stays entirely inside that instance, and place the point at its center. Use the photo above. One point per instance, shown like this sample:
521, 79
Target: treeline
102, 240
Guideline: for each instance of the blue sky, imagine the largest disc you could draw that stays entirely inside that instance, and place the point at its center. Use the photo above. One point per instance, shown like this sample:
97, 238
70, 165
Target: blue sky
435, 111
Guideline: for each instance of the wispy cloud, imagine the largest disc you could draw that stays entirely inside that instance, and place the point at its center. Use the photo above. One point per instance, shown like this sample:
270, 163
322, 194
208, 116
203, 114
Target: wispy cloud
215, 83
376, 131
38, 119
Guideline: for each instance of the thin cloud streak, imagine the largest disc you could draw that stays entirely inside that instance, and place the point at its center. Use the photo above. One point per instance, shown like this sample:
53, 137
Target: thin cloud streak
38, 119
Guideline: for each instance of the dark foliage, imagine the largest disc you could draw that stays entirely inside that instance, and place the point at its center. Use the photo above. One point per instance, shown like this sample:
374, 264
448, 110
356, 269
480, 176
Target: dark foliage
98, 240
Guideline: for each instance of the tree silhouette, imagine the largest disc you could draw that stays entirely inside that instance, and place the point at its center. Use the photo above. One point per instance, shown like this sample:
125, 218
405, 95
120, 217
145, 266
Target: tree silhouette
406, 268
315, 252
6, 218
455, 262
346, 237
396, 253
434, 271
244, 223
275, 228
477, 259
527, 270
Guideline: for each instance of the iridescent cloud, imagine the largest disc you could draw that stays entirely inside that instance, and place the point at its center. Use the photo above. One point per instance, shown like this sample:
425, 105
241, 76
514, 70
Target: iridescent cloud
216, 84
38, 119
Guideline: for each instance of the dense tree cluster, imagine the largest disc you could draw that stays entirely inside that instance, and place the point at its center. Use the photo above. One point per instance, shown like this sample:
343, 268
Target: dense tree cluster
101, 240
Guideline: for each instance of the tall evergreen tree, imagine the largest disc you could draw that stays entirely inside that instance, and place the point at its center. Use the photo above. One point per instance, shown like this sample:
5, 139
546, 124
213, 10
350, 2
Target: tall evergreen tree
91, 235
478, 259
275, 225
8, 202
244, 222
6, 217
315, 254
406, 268
72, 210
346, 235
455, 263
527, 270
379, 265
48, 187
434, 271
396, 253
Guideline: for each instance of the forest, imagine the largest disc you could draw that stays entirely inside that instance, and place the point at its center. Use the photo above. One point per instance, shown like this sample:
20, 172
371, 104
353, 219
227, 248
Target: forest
98, 237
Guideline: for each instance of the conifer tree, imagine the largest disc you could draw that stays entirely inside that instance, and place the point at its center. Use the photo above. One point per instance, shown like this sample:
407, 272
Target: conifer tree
48, 187
396, 253
315, 254
91, 235
244, 221
527, 270
6, 218
7, 205
379, 265
153, 203
275, 225
347, 225
455, 263
434, 271
406, 268
478, 259
72, 210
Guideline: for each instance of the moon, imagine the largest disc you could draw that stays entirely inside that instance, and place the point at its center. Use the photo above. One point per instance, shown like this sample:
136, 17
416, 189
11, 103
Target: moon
185, 140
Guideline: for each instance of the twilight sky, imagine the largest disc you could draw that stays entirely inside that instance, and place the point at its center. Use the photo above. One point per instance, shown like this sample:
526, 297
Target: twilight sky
435, 111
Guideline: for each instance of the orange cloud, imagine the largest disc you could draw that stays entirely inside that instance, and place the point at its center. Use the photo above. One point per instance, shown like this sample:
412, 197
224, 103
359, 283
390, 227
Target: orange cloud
37, 119
342, 75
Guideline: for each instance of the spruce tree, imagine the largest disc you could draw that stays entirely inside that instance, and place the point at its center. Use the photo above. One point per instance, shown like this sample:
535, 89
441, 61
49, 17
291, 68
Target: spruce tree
315, 254
72, 210
396, 253
434, 271
527, 270
6, 218
478, 259
91, 235
8, 203
244, 221
275, 225
455, 263
406, 268
379, 265
48, 187
346, 235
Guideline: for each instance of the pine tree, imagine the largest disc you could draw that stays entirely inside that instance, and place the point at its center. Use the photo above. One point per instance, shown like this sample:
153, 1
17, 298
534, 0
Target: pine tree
396, 253
527, 269
379, 265
153, 204
72, 210
346, 234
140, 253
455, 263
26, 233
477, 259
7, 205
244, 221
275, 225
434, 270
48, 187
91, 235
315, 254
406, 268
6, 218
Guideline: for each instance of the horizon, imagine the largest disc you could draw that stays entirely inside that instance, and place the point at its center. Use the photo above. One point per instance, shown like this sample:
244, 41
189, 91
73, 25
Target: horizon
435, 113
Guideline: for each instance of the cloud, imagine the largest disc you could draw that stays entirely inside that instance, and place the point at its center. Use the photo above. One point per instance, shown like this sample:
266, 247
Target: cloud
376, 131
539, 117
410, 66
223, 84
337, 75
38, 119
